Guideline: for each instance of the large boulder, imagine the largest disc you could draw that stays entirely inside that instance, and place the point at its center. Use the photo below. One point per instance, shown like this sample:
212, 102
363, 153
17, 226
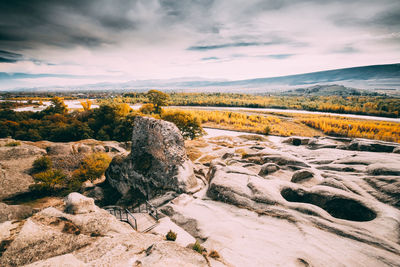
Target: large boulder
14, 212
15, 165
76, 203
158, 161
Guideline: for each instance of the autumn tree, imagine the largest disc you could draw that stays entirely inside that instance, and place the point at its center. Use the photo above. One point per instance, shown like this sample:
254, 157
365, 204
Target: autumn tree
189, 125
86, 104
158, 99
57, 106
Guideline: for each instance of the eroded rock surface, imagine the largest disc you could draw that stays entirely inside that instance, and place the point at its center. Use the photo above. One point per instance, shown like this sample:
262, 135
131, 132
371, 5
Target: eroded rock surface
54, 238
324, 205
267, 202
158, 161
16, 161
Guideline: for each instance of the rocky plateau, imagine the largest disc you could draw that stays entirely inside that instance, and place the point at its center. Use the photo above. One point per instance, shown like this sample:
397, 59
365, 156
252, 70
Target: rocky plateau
255, 200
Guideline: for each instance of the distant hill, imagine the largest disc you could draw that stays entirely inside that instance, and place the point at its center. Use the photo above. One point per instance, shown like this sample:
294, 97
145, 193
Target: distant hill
329, 90
368, 77
382, 77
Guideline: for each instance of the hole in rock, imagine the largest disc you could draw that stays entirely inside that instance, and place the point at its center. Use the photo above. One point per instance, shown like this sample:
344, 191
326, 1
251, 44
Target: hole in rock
341, 208
296, 142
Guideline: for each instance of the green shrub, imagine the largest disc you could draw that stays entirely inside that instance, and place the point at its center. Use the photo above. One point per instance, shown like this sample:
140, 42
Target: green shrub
72, 185
171, 236
49, 181
92, 167
267, 130
13, 143
198, 248
41, 164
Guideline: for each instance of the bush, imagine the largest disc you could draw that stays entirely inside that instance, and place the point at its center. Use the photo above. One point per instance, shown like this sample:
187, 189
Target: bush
41, 164
49, 181
214, 254
14, 143
267, 130
198, 248
189, 125
92, 167
171, 236
147, 109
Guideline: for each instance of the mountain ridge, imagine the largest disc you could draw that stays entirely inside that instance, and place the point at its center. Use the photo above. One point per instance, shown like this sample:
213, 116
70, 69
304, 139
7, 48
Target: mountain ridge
385, 76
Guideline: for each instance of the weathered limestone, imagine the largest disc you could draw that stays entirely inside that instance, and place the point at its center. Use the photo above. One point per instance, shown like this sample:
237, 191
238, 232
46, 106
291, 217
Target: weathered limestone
76, 203
93, 238
268, 168
157, 163
301, 175
14, 212
15, 163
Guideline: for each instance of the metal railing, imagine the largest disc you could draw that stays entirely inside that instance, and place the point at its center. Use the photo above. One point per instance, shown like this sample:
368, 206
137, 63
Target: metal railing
146, 207
123, 215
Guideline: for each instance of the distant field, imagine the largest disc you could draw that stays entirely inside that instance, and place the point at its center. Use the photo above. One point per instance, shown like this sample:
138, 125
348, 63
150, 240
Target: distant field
351, 104
88, 120
298, 124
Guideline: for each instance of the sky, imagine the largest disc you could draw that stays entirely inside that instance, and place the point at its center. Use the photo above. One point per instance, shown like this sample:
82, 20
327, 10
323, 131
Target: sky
55, 42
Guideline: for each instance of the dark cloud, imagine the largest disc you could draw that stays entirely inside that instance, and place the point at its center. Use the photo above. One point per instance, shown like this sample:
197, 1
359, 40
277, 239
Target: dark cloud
18, 75
279, 56
346, 50
273, 56
209, 58
240, 44
35, 23
389, 18
7, 60
9, 57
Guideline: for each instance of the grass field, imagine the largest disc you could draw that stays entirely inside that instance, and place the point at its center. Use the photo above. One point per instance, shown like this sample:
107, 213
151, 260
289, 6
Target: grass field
297, 124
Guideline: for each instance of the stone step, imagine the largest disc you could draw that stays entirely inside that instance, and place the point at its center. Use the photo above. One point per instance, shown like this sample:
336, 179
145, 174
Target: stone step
144, 221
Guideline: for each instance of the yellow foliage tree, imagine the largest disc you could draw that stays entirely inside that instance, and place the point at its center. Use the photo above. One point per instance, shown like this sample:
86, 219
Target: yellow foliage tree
86, 104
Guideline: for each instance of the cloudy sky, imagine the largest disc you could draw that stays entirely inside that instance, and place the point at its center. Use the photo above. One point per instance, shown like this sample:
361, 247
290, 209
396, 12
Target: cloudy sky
72, 42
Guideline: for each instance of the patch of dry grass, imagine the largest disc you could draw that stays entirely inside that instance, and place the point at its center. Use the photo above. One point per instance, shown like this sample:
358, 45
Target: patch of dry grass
241, 152
193, 148
253, 122
207, 158
250, 137
199, 143
45, 202
193, 153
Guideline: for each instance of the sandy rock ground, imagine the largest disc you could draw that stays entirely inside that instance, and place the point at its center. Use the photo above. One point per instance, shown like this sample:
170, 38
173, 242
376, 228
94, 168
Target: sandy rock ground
93, 237
265, 201
326, 203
